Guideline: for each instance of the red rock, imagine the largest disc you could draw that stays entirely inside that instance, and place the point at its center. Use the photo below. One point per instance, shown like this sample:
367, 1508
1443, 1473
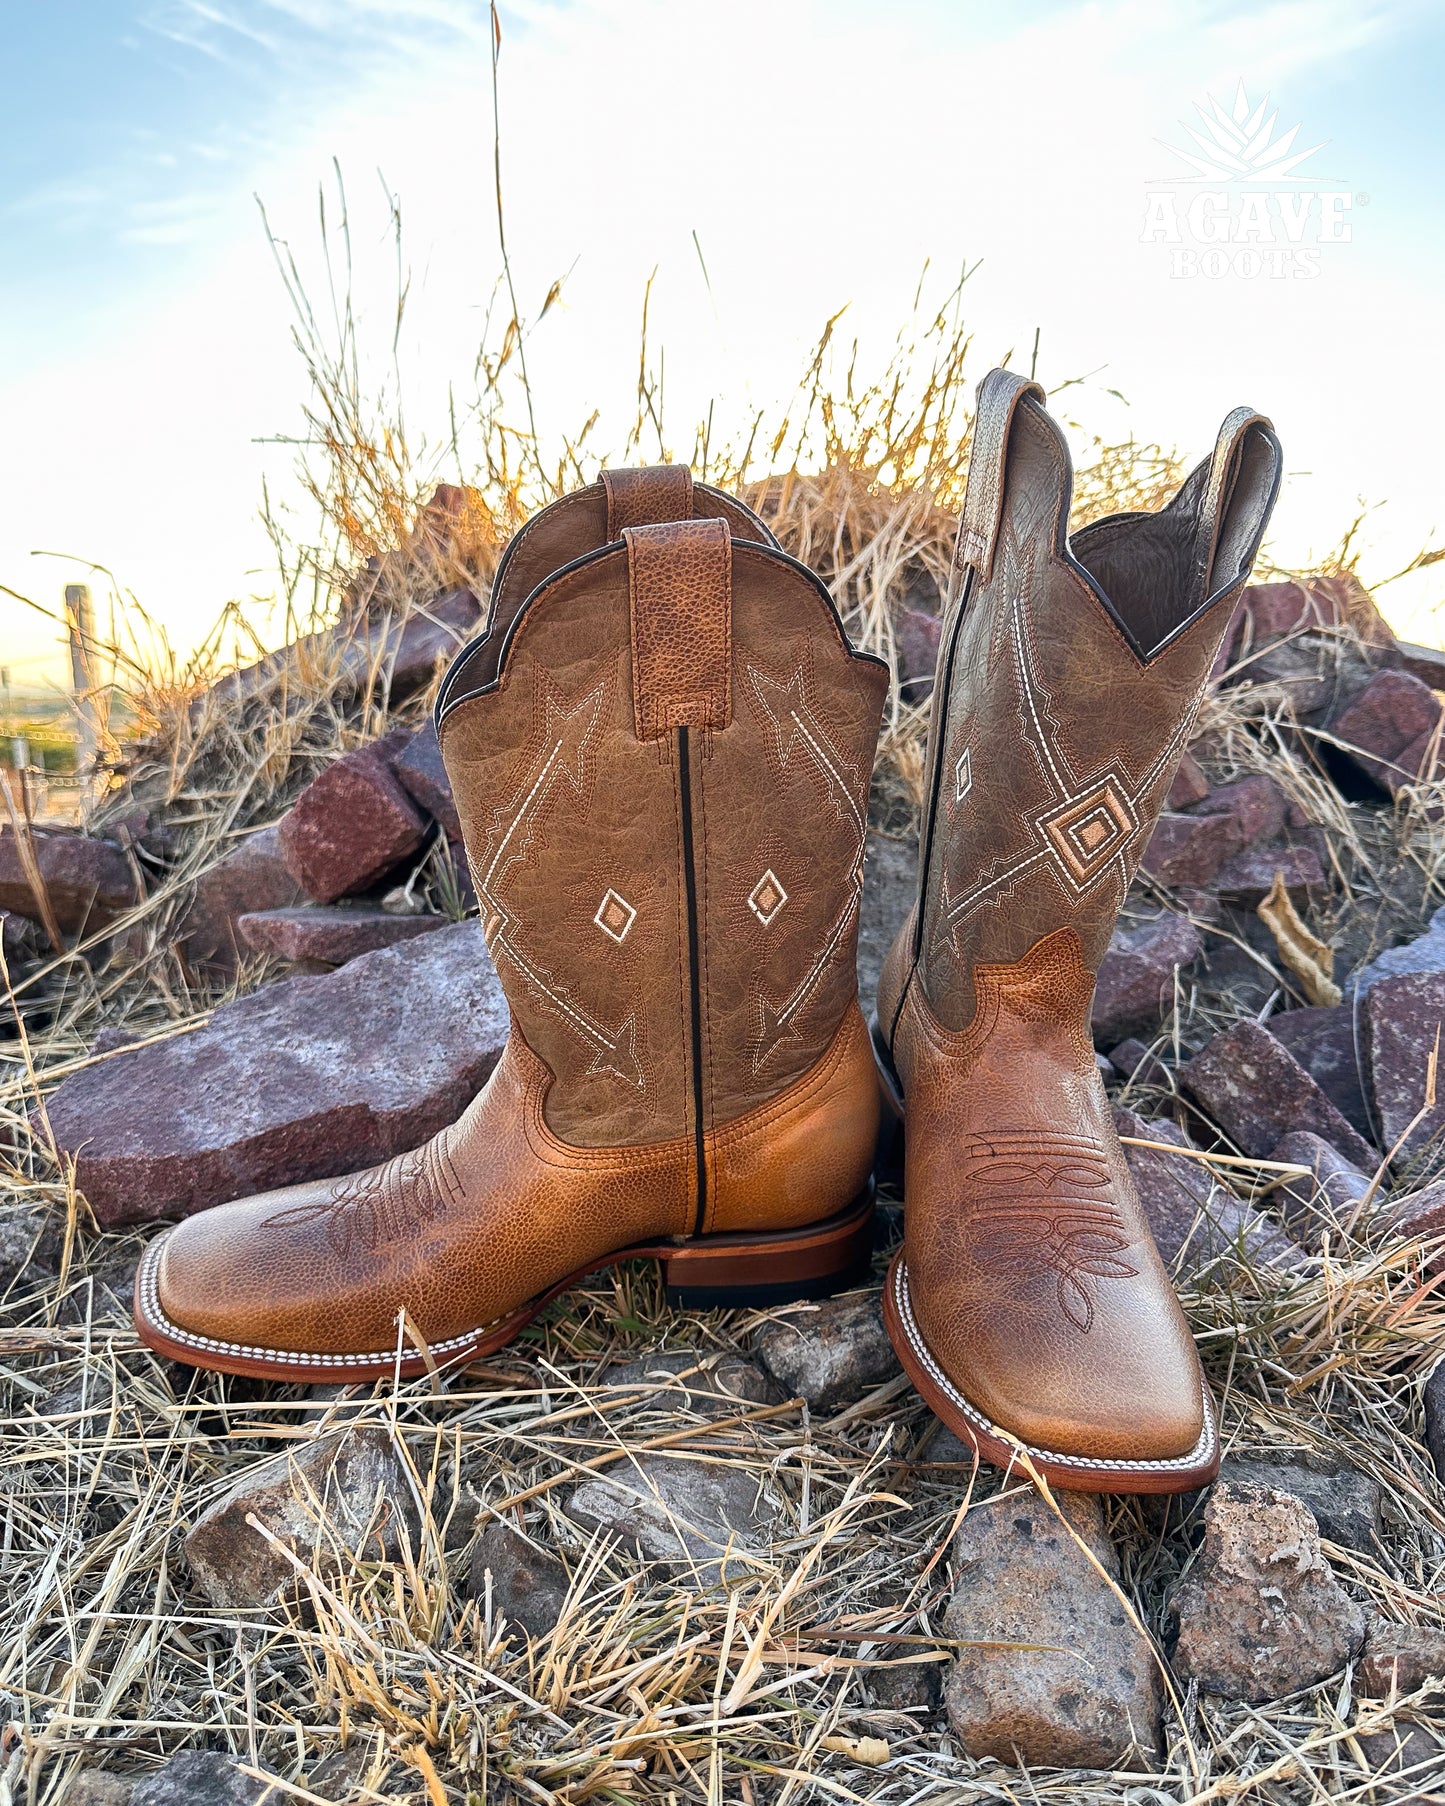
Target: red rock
252, 876
1190, 784
304, 1079
1425, 662
1323, 1041
1418, 1216
1246, 880
349, 827
1132, 1060
1310, 1208
1275, 610
916, 635
83, 877
1257, 1091
1257, 804
1399, 1658
1189, 849
1401, 1021
1386, 725
421, 773
333, 935
1136, 976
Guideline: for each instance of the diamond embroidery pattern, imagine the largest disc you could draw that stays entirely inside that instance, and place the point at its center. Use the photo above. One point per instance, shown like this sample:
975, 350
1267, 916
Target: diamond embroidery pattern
962, 776
1087, 831
767, 897
615, 916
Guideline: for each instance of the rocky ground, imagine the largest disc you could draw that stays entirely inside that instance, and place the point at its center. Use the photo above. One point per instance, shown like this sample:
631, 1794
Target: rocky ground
730, 1556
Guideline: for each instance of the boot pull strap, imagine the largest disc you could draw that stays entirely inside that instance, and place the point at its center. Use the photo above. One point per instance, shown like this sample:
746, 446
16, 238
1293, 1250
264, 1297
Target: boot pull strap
999, 394
1214, 504
679, 582
637, 498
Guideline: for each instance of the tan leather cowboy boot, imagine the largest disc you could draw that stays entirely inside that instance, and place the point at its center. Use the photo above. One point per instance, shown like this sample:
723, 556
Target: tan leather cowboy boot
661, 752
1028, 1303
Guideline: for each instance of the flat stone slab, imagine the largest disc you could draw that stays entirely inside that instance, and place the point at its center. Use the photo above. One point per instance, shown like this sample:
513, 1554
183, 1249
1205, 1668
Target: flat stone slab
306, 1079
1257, 1091
708, 1516
330, 934
1403, 1019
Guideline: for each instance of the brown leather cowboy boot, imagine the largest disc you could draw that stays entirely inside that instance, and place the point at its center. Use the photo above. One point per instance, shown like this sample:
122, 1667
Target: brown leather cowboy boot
1028, 1303
661, 753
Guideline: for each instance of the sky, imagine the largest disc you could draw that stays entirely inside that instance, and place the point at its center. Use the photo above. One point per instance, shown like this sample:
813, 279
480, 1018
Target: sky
765, 164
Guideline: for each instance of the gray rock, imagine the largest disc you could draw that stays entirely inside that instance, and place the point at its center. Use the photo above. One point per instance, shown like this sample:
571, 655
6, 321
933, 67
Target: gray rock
1260, 1614
1426, 953
890, 885
1399, 1658
30, 1245
252, 876
199, 1778
1136, 976
300, 1080
714, 1385
528, 1584
829, 1353
1080, 1688
1314, 1208
678, 1509
899, 1686
1344, 1502
347, 1490
97, 1787
1257, 1091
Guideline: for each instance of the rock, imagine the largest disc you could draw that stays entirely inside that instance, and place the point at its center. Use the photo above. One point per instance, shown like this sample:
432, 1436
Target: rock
890, 885
1194, 1220
711, 1384
1189, 849
1406, 1746
30, 1245
333, 934
1434, 1406
352, 1478
1384, 729
201, 1778
421, 773
898, 1686
1080, 1688
829, 1353
1426, 953
300, 1080
1314, 1208
1136, 976
1260, 1613
252, 877
1399, 1658
1417, 1216
1257, 1091
97, 1787
20, 938
528, 1585
679, 1509
349, 827
1190, 784
1425, 662
1401, 1021
1256, 804
1344, 1503
1133, 1061
1308, 672
1274, 610
1245, 880
1323, 1041
916, 635
83, 877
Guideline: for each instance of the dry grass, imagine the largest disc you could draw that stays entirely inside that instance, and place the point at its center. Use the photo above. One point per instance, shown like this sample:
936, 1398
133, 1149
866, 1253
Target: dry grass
653, 1688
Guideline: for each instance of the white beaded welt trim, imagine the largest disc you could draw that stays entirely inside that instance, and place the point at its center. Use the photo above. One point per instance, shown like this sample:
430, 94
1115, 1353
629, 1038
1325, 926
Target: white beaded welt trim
1175, 1463
150, 1302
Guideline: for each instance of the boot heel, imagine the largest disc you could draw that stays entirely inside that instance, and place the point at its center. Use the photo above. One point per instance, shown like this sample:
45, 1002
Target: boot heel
726, 1271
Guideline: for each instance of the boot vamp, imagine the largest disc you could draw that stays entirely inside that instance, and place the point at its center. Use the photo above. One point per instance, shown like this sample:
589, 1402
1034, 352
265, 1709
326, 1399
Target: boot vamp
1032, 1273
459, 1232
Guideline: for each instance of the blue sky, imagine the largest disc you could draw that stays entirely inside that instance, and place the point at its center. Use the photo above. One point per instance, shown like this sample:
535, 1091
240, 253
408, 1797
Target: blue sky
821, 151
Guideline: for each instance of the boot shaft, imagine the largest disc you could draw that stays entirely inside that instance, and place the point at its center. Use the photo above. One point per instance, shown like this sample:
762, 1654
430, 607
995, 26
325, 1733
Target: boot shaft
661, 758
1070, 674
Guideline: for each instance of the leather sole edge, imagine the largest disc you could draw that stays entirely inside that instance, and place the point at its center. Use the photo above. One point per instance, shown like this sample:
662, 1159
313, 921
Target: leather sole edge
711, 1272
1075, 1473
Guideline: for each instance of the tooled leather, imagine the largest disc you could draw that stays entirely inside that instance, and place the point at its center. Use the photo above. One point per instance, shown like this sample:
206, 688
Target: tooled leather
651, 493
495, 1210
680, 608
999, 396
1032, 1273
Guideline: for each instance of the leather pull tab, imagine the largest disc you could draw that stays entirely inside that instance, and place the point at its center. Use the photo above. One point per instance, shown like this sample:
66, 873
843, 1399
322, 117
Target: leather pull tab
642, 497
999, 394
679, 578
1223, 468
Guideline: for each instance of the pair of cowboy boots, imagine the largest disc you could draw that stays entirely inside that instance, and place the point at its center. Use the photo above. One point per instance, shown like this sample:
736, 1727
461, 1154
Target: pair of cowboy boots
661, 749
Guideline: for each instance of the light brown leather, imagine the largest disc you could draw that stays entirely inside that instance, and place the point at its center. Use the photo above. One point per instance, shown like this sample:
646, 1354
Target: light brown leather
662, 791
639, 498
1069, 678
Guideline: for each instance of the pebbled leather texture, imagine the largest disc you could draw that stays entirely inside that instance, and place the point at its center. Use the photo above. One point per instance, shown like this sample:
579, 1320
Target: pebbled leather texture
1070, 676
681, 689
640, 498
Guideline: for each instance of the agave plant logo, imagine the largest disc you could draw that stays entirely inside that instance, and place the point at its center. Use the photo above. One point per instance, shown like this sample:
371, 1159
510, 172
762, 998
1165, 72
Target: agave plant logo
1239, 143
1245, 204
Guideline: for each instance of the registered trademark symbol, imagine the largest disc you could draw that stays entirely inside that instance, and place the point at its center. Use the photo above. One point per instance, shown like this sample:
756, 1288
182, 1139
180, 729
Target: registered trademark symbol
1362, 200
